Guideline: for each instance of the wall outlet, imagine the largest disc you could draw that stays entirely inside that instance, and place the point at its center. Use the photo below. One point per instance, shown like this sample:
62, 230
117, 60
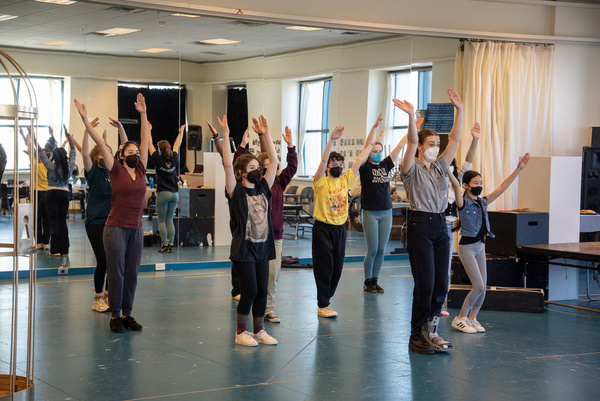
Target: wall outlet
63, 270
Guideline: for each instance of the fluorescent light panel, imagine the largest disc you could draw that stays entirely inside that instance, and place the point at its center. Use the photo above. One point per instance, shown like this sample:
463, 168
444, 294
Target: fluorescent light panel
6, 17
154, 50
185, 15
54, 43
220, 41
118, 31
304, 28
60, 2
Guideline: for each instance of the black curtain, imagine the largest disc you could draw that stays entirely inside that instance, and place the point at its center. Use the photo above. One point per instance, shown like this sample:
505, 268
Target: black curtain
166, 113
237, 112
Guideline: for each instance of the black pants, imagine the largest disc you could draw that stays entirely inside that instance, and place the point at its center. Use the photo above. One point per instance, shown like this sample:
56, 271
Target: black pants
328, 250
44, 226
94, 233
253, 278
58, 208
235, 282
428, 252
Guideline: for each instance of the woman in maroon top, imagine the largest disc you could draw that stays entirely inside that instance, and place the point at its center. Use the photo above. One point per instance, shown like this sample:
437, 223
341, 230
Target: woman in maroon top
123, 234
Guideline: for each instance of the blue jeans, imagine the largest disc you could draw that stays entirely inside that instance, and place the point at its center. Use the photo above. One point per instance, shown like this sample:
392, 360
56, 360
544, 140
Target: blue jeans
166, 202
377, 225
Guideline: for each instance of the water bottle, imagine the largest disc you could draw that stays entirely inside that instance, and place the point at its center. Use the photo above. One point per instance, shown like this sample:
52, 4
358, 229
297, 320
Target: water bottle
185, 184
151, 182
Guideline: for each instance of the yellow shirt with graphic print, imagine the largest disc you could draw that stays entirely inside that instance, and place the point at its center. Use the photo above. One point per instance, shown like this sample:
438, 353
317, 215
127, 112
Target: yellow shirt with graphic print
331, 198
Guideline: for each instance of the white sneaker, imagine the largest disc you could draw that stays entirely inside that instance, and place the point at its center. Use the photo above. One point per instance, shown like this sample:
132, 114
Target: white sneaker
246, 339
99, 304
263, 338
273, 318
237, 297
327, 312
477, 326
463, 325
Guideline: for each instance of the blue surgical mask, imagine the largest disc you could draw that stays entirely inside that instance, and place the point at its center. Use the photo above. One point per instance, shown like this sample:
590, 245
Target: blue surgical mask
376, 157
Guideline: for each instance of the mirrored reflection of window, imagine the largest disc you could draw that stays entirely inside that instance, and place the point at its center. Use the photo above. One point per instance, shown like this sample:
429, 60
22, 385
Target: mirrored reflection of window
50, 99
314, 122
413, 85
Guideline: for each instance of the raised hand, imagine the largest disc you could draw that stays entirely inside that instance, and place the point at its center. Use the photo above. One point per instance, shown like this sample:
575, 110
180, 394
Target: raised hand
215, 134
404, 105
524, 160
419, 122
140, 104
224, 125
378, 121
337, 132
245, 138
80, 108
378, 136
66, 131
287, 136
455, 99
115, 123
260, 125
52, 131
182, 129
476, 131
95, 122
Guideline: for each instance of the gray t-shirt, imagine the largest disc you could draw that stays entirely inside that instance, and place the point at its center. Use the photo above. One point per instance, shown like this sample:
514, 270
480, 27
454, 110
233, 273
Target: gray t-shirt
427, 191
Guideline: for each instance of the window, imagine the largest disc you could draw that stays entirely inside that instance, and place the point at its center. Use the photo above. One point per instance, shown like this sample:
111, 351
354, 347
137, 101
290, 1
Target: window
314, 122
50, 100
417, 84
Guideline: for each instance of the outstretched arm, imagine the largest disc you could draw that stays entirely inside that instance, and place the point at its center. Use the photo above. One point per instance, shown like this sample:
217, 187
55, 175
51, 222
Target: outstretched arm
522, 164
337, 133
372, 132
215, 138
140, 106
409, 155
230, 181
458, 199
362, 156
117, 124
475, 134
396, 152
179, 139
108, 157
85, 147
454, 139
262, 129
151, 147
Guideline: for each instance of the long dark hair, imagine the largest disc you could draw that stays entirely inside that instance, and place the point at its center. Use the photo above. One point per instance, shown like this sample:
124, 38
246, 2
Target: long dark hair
59, 157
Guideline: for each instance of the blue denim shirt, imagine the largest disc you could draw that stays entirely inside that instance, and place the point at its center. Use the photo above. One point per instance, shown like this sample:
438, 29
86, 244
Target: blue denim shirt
55, 178
470, 217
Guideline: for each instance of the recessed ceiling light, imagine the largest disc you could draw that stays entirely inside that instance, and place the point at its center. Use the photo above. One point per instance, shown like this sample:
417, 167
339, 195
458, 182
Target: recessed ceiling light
220, 41
185, 15
117, 31
6, 17
60, 2
54, 43
304, 28
154, 50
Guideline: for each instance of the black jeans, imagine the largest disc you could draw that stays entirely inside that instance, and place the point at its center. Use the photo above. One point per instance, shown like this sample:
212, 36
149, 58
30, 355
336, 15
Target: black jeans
428, 252
94, 233
235, 282
328, 249
58, 208
253, 279
44, 226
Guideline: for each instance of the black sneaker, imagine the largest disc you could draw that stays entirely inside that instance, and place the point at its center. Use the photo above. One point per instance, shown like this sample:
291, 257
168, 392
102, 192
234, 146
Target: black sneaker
419, 344
170, 249
164, 249
130, 323
116, 325
368, 286
376, 286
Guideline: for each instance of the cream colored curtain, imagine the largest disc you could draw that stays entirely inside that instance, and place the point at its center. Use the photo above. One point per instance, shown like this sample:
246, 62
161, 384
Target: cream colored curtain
508, 89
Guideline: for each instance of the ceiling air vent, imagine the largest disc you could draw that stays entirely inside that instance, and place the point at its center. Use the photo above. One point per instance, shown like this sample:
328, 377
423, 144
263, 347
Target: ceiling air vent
130, 10
214, 53
249, 24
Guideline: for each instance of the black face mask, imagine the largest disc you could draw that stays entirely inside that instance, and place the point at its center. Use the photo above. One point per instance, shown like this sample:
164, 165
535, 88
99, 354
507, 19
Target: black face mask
335, 172
132, 160
476, 190
101, 163
254, 176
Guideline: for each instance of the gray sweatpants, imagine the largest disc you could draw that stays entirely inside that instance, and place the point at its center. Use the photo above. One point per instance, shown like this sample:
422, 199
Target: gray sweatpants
472, 257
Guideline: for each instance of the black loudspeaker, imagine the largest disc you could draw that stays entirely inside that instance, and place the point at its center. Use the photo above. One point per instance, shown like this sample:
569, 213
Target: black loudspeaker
514, 229
594, 137
191, 231
194, 141
590, 178
196, 202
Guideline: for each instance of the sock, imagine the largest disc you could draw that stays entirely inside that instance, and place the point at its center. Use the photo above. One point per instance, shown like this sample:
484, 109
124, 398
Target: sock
99, 295
258, 323
241, 323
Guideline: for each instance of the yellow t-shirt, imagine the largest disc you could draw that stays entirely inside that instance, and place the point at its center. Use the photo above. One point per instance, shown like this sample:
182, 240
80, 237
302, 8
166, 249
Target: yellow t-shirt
42, 177
331, 198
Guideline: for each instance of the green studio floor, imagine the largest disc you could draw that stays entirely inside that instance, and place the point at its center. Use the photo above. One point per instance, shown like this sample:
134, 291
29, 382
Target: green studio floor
186, 350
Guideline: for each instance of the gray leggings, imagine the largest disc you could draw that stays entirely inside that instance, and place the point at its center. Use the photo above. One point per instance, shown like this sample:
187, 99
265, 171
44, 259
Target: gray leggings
472, 257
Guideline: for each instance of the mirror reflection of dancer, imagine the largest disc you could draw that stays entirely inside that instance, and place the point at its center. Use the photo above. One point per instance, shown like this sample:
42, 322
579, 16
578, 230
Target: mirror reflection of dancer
252, 246
474, 228
427, 191
123, 233
376, 204
331, 213
166, 162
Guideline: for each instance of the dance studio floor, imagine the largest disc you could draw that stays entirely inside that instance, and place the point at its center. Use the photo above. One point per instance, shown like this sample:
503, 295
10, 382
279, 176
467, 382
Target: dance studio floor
186, 349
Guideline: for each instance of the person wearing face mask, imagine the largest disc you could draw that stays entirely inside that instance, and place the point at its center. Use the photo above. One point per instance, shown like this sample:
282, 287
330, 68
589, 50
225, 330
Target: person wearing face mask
331, 212
424, 179
166, 162
123, 235
248, 192
376, 204
451, 212
98, 207
474, 227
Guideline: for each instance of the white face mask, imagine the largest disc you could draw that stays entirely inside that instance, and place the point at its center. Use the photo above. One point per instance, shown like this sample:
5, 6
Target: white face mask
431, 154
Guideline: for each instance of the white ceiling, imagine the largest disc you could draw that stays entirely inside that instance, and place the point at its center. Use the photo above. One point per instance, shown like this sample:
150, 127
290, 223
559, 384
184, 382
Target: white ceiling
41, 22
